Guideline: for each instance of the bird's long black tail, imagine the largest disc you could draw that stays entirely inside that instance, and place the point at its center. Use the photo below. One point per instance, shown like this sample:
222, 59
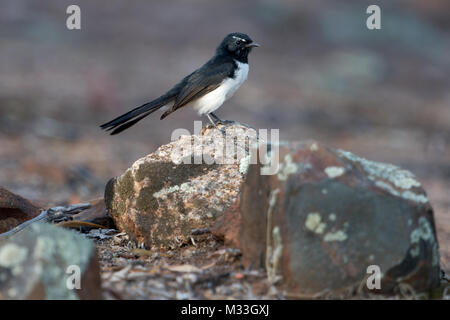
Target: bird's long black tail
132, 117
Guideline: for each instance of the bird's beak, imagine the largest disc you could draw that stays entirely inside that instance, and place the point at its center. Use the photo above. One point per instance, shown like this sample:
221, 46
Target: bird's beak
251, 45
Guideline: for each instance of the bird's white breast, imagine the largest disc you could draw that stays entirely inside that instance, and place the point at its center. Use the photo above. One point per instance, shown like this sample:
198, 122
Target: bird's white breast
214, 99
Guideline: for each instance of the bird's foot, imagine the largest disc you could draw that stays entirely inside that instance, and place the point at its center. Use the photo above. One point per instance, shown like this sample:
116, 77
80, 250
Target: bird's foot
212, 126
208, 127
226, 122
217, 120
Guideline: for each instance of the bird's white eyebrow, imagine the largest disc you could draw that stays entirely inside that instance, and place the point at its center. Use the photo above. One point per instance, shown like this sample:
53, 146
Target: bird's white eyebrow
239, 39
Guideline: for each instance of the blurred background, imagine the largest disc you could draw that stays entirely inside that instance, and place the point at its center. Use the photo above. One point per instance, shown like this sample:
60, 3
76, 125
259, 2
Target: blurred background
319, 74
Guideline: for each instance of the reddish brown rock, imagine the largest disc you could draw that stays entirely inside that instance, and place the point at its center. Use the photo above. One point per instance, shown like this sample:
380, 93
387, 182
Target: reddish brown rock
14, 210
327, 215
38, 262
227, 226
161, 198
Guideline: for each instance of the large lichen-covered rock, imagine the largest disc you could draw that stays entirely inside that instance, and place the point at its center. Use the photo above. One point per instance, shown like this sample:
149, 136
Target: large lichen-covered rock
40, 261
327, 215
183, 185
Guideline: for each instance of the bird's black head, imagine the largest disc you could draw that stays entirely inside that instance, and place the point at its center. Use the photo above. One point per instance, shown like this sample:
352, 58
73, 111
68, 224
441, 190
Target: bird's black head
238, 45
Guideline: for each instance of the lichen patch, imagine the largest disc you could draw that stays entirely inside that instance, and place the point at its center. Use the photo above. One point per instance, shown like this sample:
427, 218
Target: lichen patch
12, 254
287, 168
424, 232
400, 178
314, 223
339, 235
388, 177
244, 164
334, 172
408, 195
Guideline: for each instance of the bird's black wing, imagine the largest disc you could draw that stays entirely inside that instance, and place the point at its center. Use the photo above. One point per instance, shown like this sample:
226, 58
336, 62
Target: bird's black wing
202, 81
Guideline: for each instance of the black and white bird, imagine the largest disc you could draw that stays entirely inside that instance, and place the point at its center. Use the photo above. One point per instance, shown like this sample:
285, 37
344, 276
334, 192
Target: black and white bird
205, 89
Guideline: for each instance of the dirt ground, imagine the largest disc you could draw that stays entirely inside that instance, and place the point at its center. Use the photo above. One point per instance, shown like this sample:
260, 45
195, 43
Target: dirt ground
319, 74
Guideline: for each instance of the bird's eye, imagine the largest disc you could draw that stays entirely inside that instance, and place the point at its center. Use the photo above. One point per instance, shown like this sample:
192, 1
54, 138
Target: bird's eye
238, 42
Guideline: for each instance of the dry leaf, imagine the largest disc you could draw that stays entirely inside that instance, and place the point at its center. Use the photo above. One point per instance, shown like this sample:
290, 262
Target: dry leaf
208, 266
120, 275
184, 268
142, 252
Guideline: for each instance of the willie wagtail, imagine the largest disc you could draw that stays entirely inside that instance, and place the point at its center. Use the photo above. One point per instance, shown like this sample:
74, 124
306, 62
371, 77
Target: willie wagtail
206, 89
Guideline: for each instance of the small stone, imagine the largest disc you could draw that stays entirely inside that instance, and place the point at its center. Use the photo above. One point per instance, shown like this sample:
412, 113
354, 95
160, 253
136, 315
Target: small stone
15, 210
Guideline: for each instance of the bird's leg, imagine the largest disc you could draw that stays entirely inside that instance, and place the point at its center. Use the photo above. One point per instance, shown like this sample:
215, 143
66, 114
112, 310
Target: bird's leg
211, 120
225, 122
214, 116
220, 121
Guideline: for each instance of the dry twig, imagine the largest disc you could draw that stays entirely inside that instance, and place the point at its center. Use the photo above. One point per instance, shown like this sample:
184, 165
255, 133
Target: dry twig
56, 214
